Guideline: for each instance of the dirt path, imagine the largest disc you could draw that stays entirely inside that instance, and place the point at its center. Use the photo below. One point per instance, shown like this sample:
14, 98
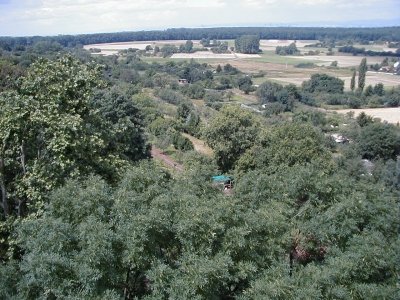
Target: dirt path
167, 160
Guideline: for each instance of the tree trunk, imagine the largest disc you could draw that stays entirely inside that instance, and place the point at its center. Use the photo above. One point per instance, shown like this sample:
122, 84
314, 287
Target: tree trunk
126, 289
4, 200
23, 157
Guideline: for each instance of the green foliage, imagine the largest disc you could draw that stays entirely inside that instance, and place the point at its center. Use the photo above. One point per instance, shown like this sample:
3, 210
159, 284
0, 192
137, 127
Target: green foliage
362, 72
363, 119
126, 136
182, 143
300, 231
194, 91
300, 223
379, 140
245, 84
9, 73
230, 133
267, 92
49, 124
249, 44
353, 81
323, 83
170, 96
288, 144
287, 50
274, 92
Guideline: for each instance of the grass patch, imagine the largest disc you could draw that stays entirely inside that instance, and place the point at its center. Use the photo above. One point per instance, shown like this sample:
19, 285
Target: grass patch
271, 57
306, 65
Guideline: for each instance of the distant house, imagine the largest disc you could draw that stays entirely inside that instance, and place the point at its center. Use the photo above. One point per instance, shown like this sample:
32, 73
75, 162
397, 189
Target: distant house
182, 81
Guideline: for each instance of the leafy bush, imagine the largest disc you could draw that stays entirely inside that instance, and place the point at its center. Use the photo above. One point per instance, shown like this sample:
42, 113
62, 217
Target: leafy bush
182, 143
323, 83
169, 96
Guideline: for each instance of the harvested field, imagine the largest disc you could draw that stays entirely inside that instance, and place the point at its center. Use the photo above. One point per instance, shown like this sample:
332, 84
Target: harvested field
343, 60
113, 48
391, 115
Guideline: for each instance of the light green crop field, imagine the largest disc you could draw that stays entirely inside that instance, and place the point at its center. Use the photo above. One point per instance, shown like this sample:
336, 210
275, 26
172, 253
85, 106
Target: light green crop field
271, 57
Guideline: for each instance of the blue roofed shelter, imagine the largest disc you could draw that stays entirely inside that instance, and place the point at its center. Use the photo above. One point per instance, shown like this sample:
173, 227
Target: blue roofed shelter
226, 181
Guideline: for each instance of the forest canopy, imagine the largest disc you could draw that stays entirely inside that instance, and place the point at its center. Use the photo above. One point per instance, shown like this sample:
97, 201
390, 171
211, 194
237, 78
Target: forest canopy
107, 167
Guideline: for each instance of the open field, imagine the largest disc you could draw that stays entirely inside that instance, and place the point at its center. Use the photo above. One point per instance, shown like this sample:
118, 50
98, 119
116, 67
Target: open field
391, 115
113, 48
272, 44
210, 55
343, 60
277, 68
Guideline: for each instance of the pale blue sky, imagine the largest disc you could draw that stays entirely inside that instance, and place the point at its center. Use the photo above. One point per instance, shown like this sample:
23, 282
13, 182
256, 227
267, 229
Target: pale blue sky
52, 17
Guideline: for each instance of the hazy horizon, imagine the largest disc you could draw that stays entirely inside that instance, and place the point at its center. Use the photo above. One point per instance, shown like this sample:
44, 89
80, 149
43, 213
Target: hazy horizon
51, 17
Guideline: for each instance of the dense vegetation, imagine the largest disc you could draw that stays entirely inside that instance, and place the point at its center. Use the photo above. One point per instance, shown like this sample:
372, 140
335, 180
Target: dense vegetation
85, 213
249, 44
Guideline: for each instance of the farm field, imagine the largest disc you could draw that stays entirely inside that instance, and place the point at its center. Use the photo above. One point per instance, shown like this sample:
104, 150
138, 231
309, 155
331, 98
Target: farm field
390, 115
113, 48
343, 60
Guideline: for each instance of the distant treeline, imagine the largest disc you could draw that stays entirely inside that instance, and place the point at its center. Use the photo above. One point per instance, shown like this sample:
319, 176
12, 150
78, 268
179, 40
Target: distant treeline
356, 51
286, 33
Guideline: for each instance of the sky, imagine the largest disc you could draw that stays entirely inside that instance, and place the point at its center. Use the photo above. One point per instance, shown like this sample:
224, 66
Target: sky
52, 17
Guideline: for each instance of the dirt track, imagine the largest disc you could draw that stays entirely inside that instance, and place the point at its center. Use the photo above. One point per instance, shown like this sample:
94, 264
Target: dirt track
158, 154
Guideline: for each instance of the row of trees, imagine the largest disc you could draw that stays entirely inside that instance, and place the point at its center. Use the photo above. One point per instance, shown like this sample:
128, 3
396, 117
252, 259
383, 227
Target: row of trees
284, 33
362, 51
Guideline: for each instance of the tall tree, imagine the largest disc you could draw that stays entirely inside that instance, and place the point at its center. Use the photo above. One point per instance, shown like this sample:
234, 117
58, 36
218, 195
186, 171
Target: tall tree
50, 131
230, 134
362, 72
353, 81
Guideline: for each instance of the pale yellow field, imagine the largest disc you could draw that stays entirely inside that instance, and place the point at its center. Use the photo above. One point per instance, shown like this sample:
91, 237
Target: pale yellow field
113, 48
343, 60
390, 115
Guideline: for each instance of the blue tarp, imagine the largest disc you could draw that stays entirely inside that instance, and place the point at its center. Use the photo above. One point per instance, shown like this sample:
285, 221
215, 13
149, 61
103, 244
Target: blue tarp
221, 178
